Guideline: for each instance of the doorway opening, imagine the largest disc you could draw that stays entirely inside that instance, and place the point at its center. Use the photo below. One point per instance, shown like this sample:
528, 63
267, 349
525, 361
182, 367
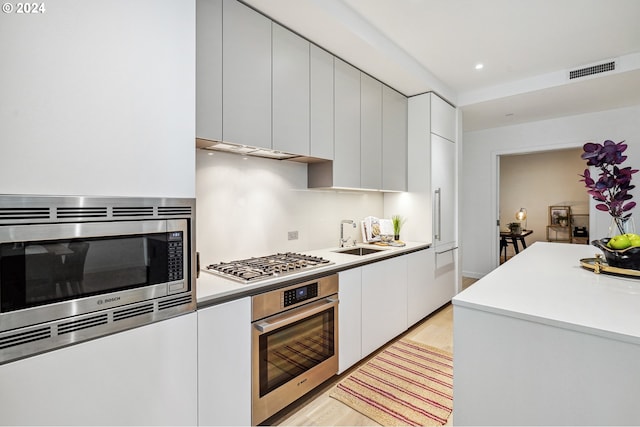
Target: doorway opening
533, 182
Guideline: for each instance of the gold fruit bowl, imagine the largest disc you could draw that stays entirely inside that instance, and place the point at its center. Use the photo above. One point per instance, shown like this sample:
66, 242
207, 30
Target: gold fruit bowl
628, 258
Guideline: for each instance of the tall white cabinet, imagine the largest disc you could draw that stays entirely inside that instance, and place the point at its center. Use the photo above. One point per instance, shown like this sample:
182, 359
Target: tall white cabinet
431, 204
444, 193
126, 94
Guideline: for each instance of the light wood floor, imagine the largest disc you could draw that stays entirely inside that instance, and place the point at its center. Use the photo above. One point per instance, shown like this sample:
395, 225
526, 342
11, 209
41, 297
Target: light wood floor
318, 409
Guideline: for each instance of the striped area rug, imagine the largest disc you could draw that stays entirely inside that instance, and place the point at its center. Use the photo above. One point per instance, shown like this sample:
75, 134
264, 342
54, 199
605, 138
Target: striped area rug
407, 383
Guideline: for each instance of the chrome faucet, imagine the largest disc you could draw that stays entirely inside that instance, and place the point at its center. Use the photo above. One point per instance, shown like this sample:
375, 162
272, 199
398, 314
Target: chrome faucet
342, 239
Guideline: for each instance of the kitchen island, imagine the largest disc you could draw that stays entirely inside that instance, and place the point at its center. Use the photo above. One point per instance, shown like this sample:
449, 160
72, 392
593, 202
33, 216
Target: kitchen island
543, 341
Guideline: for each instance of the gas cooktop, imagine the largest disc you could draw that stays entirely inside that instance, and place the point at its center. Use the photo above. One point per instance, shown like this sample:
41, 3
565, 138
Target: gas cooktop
253, 269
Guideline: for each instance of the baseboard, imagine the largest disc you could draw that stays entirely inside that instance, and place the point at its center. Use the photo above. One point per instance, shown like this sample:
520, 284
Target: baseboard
472, 275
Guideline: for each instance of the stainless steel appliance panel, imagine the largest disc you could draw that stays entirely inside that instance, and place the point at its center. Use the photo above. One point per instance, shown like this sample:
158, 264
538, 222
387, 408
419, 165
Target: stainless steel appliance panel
294, 348
74, 268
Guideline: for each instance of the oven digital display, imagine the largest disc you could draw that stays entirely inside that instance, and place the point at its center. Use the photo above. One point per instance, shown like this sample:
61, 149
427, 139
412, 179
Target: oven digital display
294, 296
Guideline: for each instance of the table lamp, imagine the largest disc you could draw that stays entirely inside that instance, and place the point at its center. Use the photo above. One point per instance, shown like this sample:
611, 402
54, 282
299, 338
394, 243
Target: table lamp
521, 215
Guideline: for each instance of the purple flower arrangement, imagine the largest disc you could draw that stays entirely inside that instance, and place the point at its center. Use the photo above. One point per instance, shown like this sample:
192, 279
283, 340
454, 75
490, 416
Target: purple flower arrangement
612, 187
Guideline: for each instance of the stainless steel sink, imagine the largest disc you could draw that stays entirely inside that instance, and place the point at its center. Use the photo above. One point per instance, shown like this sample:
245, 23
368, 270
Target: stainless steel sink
359, 251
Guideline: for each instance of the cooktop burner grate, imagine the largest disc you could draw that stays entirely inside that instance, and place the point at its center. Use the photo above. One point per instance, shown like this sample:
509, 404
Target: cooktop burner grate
252, 269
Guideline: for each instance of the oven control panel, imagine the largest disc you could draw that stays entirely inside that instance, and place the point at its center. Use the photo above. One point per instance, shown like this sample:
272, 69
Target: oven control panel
294, 296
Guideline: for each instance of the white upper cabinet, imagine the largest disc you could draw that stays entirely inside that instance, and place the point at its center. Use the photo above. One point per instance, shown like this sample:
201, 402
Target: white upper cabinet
73, 81
443, 118
290, 92
370, 132
321, 92
346, 162
394, 140
209, 69
246, 68
261, 85
370, 144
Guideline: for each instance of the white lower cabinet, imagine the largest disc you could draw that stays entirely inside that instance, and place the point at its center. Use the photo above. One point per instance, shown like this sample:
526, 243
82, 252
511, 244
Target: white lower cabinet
384, 302
224, 364
143, 376
350, 319
420, 286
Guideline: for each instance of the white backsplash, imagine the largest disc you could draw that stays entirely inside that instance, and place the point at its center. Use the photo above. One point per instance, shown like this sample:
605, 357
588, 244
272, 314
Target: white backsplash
246, 207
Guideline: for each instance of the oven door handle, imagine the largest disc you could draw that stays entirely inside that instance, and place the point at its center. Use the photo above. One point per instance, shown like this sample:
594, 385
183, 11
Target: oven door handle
294, 315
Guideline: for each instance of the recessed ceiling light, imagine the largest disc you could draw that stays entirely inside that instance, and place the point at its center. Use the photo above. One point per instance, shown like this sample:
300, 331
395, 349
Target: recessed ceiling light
479, 66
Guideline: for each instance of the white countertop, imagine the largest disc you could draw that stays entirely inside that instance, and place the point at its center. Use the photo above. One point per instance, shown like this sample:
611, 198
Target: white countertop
546, 284
211, 288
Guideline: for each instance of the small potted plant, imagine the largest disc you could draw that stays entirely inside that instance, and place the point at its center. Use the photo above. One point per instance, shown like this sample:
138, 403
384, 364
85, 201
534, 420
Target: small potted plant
398, 222
515, 227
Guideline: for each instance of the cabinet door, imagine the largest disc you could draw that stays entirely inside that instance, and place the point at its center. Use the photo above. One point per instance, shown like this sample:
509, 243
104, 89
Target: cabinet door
224, 364
394, 140
246, 68
290, 92
384, 302
443, 180
350, 319
370, 132
209, 69
443, 118
346, 161
143, 376
420, 282
321, 92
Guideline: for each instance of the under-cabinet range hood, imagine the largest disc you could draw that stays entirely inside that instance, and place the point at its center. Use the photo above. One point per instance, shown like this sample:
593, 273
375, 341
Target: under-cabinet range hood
247, 150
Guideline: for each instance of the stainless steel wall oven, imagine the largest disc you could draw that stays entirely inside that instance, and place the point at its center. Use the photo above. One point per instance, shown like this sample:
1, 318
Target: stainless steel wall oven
294, 344
75, 268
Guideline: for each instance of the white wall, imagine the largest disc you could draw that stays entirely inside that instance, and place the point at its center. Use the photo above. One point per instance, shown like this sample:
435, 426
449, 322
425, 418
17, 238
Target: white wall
246, 206
98, 98
479, 178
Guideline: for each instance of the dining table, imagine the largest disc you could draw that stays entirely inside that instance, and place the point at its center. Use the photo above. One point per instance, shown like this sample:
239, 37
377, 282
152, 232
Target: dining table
515, 238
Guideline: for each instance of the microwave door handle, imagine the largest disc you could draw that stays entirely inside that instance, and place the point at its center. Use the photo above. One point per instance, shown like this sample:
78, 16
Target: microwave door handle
197, 265
296, 314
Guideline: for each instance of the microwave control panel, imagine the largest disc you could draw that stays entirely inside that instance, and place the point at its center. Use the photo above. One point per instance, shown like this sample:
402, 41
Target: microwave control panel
175, 256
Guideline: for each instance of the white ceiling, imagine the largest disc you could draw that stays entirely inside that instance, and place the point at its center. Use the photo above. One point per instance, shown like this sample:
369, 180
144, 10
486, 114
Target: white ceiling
527, 48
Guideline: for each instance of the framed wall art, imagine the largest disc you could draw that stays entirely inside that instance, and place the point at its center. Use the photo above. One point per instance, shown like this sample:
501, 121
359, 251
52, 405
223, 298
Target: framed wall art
559, 215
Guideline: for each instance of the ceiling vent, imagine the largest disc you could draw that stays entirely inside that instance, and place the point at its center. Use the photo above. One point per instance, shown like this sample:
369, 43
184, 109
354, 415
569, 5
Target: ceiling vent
592, 69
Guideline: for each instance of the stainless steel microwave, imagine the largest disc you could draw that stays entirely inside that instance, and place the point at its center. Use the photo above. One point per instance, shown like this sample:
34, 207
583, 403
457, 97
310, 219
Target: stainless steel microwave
76, 268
